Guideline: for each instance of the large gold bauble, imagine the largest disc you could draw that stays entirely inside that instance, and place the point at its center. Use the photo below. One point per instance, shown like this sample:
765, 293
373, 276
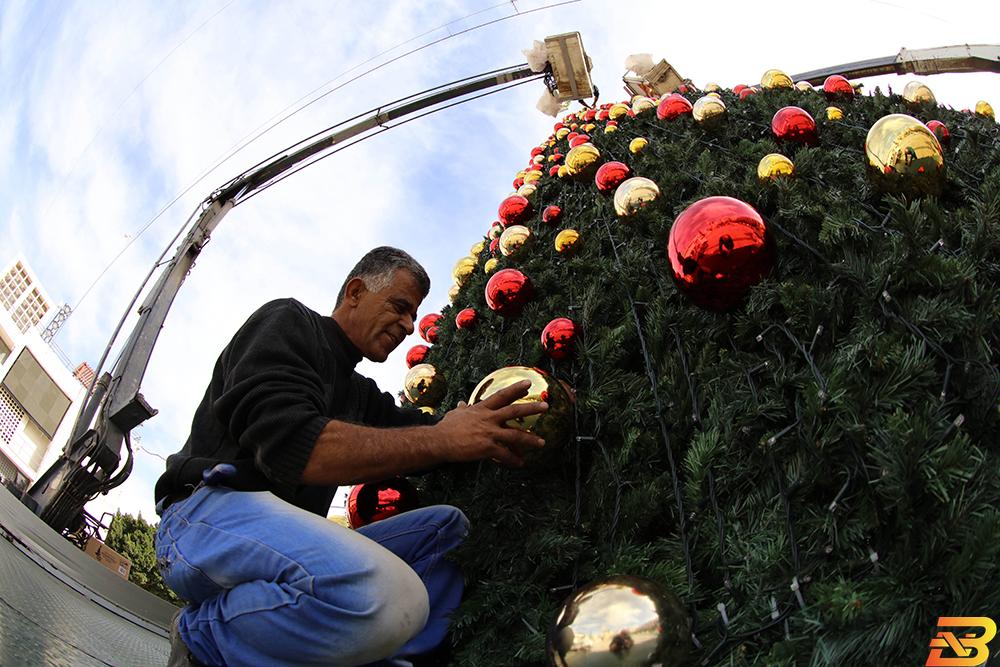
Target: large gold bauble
532, 177
477, 248
637, 145
563, 171
562, 132
424, 385
552, 425
453, 292
567, 241
621, 622
983, 108
608, 129
583, 160
633, 194
528, 191
490, 265
514, 239
775, 78
834, 113
618, 111
463, 269
916, 92
774, 165
904, 156
641, 104
708, 111
712, 88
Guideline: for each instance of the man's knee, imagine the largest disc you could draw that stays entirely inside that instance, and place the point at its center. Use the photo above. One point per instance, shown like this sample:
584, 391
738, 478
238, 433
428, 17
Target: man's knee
397, 606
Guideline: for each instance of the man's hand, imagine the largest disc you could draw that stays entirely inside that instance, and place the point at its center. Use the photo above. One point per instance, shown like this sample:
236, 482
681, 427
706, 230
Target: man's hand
470, 433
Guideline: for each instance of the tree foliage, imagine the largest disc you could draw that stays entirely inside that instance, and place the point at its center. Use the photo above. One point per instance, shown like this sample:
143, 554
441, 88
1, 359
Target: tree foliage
133, 537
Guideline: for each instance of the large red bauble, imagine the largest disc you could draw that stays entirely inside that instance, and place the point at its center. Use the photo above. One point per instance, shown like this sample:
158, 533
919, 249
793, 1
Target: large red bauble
507, 291
426, 322
578, 139
466, 318
747, 92
590, 115
416, 355
739, 88
940, 131
672, 106
719, 248
602, 114
374, 501
610, 175
537, 150
794, 124
432, 333
514, 210
559, 338
837, 87
572, 135
552, 215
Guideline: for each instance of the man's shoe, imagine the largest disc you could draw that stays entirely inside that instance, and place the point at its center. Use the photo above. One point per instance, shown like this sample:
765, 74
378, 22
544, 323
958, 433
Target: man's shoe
180, 656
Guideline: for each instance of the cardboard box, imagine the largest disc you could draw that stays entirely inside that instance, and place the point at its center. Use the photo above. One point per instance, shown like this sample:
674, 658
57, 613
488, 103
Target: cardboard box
108, 557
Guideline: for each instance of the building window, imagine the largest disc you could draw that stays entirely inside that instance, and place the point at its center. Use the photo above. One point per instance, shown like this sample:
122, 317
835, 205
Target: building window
10, 475
30, 311
11, 416
14, 285
4, 350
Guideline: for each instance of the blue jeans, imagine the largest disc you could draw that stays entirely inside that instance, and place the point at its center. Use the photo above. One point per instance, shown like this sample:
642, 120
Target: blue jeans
271, 584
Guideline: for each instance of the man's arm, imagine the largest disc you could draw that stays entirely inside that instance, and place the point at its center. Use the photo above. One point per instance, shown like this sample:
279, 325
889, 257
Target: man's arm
348, 453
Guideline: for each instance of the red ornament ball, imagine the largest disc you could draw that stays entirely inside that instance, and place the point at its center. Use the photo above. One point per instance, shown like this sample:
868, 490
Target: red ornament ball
416, 355
719, 247
673, 106
572, 135
610, 175
518, 182
552, 215
837, 87
466, 318
590, 115
426, 322
514, 210
747, 92
537, 150
554, 170
559, 338
578, 139
431, 335
602, 115
507, 292
495, 245
794, 124
940, 131
739, 88
374, 501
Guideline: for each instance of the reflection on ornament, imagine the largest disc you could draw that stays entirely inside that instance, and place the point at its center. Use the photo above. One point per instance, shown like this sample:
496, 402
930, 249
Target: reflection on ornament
551, 425
567, 241
804, 86
610, 175
837, 87
416, 355
374, 501
642, 104
490, 265
718, 248
426, 322
633, 194
916, 92
984, 109
583, 160
423, 385
559, 338
775, 78
427, 410
637, 145
904, 156
433, 332
552, 215
463, 269
466, 318
514, 210
618, 111
507, 292
620, 621
672, 106
833, 113
514, 239
715, 95
773, 166
940, 131
794, 124
708, 111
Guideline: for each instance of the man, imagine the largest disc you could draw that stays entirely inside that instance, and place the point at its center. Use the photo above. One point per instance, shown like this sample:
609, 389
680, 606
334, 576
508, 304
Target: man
284, 421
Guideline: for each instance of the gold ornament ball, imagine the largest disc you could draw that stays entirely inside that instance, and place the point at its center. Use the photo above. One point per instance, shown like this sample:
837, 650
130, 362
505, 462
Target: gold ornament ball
637, 145
983, 108
563, 171
775, 78
552, 425
618, 111
514, 239
532, 177
538, 159
773, 166
633, 194
463, 269
453, 293
642, 104
708, 111
916, 92
582, 160
490, 265
804, 86
589, 127
904, 156
424, 385
714, 94
834, 113
477, 248
496, 229
712, 88
567, 241
610, 128
528, 191
562, 132
426, 409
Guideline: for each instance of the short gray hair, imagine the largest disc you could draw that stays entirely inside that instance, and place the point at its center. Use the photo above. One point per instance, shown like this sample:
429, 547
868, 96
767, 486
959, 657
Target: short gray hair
378, 266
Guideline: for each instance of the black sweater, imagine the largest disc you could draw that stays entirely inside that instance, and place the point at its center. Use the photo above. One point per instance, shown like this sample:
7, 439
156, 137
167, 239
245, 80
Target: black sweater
283, 376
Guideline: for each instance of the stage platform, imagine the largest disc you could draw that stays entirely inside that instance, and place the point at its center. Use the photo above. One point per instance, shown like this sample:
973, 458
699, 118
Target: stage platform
58, 606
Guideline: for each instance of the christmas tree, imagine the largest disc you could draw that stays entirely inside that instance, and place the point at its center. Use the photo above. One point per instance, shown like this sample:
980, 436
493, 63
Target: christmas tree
788, 421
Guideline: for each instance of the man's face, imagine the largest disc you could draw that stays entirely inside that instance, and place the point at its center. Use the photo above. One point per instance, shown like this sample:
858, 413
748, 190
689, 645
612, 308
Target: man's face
383, 319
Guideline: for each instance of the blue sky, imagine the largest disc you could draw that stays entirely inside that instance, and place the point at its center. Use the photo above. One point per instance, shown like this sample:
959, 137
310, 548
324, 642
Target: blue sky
109, 110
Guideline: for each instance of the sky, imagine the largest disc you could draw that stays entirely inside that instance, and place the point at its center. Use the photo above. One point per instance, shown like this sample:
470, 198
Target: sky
110, 111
